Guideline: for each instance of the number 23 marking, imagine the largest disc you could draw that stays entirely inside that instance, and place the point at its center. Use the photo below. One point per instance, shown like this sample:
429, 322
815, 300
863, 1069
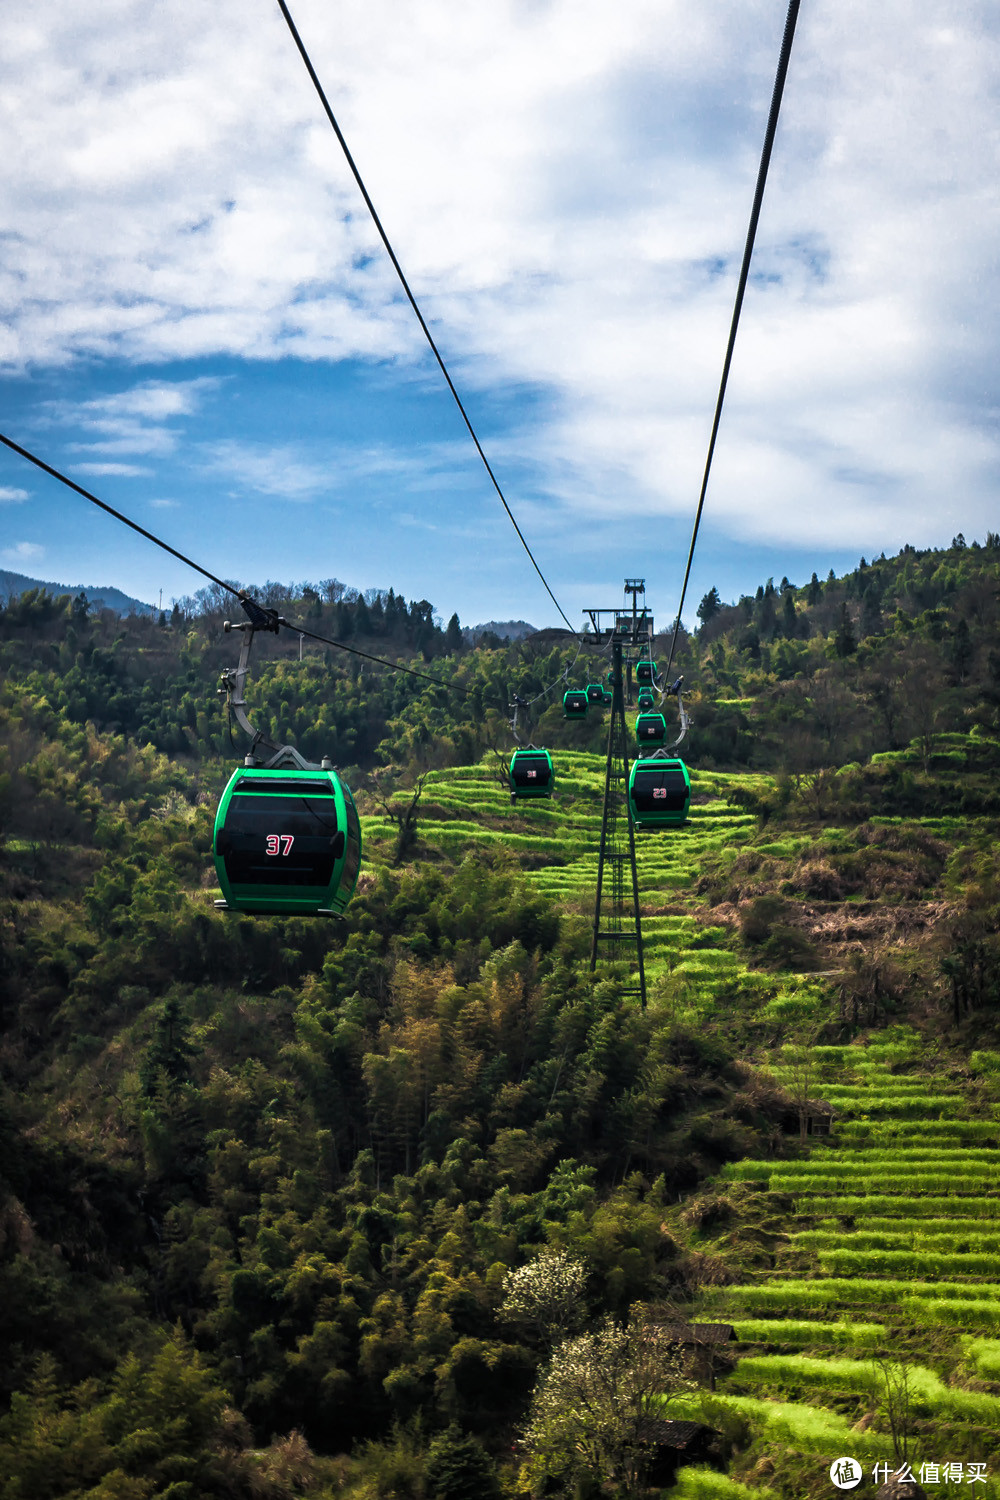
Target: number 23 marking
280, 843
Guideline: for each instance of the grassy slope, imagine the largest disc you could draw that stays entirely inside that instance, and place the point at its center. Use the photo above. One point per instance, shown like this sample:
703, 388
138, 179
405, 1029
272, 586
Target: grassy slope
883, 1232
688, 958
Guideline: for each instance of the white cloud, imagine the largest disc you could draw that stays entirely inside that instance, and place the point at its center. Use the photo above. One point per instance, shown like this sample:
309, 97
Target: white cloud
294, 473
125, 471
567, 185
276, 471
9, 495
23, 552
130, 421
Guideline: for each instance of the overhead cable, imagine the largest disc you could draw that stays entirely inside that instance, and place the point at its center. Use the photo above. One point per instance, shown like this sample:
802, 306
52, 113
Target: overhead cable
410, 297
252, 607
72, 484
758, 198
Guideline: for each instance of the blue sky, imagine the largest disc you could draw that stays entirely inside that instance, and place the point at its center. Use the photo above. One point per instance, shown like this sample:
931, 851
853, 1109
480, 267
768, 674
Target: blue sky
200, 325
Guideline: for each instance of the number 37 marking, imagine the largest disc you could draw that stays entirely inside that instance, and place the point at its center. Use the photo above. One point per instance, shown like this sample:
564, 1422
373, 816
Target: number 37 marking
280, 843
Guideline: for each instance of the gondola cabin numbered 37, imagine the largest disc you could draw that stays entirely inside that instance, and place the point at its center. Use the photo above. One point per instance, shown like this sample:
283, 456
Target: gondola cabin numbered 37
531, 774
287, 843
659, 792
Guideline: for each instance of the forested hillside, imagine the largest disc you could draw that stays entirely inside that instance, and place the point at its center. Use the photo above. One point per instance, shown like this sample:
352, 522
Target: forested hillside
296, 1208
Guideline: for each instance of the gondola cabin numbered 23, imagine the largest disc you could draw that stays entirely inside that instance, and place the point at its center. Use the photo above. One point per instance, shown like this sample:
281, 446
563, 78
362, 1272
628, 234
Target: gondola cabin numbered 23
659, 792
287, 843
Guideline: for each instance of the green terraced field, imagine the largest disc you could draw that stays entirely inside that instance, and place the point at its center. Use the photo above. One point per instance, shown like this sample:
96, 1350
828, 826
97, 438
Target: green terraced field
557, 844
929, 1393
892, 1223
858, 1207
802, 1331
954, 1239
897, 1214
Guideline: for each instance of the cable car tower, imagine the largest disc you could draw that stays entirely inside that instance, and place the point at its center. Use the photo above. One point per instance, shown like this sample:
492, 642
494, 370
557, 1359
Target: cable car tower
617, 924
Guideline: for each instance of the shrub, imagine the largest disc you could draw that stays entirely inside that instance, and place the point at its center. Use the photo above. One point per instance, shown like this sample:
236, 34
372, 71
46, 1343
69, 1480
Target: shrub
706, 1484
790, 949
984, 1356
758, 917
459, 1469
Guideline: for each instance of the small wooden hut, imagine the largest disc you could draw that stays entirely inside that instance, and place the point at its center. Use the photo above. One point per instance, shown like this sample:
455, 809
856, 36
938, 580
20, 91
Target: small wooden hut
810, 1117
703, 1346
674, 1444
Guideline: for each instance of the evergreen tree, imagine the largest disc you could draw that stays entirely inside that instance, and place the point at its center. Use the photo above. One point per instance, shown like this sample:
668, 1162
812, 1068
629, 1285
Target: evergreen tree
453, 638
789, 616
170, 1051
871, 613
961, 651
710, 606
458, 1468
845, 642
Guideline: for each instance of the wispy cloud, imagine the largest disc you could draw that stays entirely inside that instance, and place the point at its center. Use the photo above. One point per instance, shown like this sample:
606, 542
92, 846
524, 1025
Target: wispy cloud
130, 421
295, 472
275, 471
10, 495
23, 552
128, 471
567, 187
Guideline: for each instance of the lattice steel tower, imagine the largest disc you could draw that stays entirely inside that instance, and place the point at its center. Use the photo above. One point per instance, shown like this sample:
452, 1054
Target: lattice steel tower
617, 922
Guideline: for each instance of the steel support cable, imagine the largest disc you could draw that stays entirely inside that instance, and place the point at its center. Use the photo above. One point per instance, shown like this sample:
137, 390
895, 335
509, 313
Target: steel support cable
71, 484
410, 297
758, 198
342, 646
240, 594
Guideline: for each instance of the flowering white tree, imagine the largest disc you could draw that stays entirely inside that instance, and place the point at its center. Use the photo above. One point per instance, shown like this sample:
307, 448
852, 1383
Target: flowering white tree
592, 1406
546, 1295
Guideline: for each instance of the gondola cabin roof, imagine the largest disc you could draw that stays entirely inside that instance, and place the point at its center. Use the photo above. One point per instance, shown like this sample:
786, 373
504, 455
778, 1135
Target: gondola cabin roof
287, 843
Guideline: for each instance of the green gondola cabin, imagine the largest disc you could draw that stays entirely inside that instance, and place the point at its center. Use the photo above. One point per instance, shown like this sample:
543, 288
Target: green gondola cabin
595, 692
531, 774
575, 704
645, 671
646, 704
659, 792
287, 843
650, 729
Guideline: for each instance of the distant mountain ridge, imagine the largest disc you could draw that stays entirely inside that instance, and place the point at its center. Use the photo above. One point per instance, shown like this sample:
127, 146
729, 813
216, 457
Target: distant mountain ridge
13, 584
513, 630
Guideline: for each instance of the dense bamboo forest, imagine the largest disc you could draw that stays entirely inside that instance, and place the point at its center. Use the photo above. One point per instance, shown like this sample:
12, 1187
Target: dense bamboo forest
363, 1208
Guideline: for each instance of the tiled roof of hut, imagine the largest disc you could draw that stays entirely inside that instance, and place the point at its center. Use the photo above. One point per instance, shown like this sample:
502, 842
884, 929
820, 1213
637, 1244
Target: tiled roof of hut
697, 1333
667, 1434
